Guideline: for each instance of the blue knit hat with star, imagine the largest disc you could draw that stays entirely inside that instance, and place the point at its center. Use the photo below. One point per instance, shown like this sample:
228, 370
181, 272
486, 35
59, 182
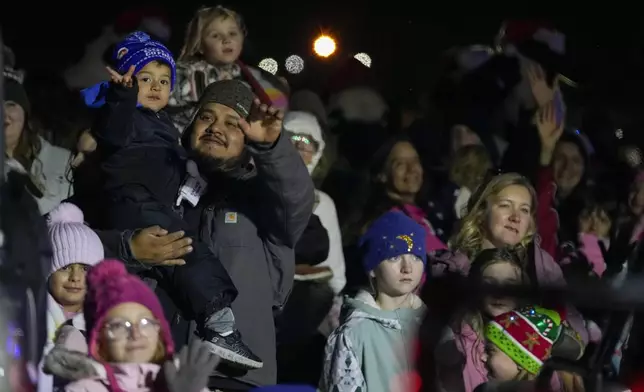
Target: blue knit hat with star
138, 50
391, 235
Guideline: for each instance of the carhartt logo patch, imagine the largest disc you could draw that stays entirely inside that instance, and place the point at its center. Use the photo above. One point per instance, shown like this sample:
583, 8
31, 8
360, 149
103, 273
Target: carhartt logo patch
231, 217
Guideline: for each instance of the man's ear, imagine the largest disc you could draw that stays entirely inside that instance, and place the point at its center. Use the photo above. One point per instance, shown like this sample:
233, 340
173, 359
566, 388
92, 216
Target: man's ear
381, 178
372, 274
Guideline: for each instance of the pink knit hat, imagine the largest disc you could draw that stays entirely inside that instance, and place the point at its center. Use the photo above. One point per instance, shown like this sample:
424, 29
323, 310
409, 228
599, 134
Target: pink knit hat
108, 285
72, 241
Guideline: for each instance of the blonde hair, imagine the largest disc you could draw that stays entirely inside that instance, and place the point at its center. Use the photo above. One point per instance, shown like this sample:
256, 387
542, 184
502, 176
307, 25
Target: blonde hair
469, 165
191, 50
471, 233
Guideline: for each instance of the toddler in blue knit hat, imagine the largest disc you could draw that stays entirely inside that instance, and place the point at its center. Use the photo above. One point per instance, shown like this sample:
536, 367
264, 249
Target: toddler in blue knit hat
374, 345
147, 177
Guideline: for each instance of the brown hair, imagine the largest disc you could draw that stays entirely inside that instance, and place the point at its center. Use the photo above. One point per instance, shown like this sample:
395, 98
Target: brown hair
468, 166
471, 314
191, 50
489, 257
29, 145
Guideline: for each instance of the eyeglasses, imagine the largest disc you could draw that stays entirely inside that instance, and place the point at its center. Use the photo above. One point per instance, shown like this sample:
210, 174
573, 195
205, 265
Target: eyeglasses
122, 329
304, 142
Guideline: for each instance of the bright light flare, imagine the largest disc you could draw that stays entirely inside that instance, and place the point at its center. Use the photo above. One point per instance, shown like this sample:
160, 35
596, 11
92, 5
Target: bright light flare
364, 58
269, 65
324, 46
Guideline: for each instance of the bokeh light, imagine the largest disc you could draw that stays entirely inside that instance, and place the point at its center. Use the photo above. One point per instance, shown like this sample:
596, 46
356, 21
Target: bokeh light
632, 156
324, 46
364, 58
269, 65
294, 64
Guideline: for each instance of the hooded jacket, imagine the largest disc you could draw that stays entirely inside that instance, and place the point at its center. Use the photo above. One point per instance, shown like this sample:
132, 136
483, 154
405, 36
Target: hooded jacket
373, 349
306, 124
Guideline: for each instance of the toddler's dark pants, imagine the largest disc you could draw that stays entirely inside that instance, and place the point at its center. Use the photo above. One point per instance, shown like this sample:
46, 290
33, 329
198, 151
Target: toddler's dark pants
202, 286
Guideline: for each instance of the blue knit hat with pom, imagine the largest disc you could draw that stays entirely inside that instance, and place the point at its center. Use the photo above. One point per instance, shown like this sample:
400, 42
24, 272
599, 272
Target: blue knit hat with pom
138, 50
391, 235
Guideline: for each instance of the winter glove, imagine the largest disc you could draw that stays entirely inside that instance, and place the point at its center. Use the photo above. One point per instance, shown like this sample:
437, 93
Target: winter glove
71, 365
190, 370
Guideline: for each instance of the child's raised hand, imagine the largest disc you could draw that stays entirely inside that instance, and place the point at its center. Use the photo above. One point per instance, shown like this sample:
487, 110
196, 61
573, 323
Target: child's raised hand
125, 80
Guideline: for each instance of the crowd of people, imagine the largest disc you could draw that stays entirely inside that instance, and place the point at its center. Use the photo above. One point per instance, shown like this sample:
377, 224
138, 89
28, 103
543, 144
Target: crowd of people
213, 230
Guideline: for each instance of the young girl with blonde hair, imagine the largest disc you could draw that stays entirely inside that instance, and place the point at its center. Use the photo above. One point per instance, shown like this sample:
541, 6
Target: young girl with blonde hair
213, 43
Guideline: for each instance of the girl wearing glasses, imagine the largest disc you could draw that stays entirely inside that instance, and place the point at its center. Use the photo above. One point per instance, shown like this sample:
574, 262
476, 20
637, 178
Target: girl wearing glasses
127, 333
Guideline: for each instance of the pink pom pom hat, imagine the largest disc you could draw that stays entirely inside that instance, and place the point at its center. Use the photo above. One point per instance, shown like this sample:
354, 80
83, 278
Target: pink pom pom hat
108, 285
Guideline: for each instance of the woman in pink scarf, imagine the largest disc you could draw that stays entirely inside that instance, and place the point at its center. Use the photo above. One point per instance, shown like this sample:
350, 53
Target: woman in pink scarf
398, 180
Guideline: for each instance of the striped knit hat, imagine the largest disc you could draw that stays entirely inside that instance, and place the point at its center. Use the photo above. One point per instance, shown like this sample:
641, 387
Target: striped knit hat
526, 335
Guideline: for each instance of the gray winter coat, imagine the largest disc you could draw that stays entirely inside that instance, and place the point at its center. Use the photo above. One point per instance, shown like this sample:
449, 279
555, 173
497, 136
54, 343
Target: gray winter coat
253, 231
271, 214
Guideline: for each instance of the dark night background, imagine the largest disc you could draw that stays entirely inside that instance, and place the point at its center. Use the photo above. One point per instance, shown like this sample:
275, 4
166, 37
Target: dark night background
405, 39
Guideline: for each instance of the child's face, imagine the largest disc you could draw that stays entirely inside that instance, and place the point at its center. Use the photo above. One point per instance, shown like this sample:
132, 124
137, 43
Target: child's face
399, 275
595, 222
222, 41
130, 334
154, 85
67, 286
500, 273
499, 364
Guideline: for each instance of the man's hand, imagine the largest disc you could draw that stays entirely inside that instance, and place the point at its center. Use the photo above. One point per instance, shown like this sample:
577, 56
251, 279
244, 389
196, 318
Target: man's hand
154, 246
264, 124
125, 80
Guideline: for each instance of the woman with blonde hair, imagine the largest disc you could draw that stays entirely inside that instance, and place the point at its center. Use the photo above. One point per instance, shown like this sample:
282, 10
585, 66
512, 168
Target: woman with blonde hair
211, 50
501, 214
